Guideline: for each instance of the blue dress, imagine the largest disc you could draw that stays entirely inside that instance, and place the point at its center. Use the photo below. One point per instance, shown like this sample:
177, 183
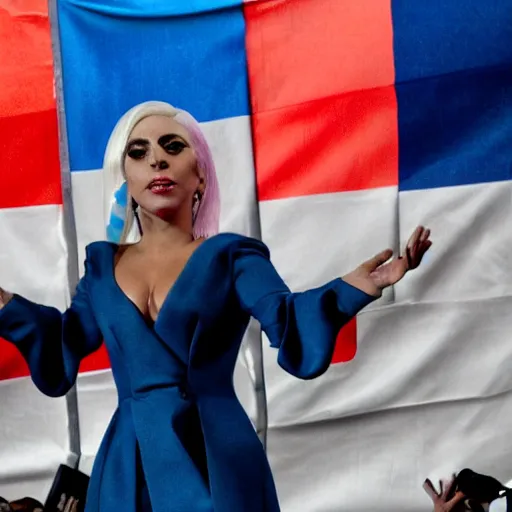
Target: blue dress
179, 439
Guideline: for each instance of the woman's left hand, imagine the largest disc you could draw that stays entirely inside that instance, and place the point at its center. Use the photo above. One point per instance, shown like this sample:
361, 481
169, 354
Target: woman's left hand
375, 274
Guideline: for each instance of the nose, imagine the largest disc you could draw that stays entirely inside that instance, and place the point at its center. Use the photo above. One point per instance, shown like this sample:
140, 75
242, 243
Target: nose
157, 160
159, 165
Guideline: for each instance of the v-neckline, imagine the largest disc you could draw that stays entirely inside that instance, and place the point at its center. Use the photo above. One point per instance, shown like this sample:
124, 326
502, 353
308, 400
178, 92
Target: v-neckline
115, 249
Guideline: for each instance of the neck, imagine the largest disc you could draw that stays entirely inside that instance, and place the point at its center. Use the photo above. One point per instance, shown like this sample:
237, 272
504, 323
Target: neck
162, 232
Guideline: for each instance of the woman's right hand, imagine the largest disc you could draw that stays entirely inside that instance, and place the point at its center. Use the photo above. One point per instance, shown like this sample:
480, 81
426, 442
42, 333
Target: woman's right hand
375, 274
5, 297
446, 500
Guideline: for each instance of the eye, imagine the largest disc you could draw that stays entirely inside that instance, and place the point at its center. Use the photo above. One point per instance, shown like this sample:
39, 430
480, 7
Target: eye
136, 153
174, 147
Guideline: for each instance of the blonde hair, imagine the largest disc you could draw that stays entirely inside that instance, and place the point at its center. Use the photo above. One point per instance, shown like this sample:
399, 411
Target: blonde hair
206, 222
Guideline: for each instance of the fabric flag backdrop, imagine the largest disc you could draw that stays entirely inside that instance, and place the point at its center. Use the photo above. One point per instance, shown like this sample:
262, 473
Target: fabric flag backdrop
336, 126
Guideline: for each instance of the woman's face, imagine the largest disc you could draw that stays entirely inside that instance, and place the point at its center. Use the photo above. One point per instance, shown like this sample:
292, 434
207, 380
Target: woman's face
161, 166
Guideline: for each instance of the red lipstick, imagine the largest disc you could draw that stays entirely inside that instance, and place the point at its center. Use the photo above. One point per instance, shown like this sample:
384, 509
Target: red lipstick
161, 185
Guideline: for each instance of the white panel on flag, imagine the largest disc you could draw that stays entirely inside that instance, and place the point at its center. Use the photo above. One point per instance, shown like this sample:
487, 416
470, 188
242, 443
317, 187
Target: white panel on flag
35, 430
471, 257
316, 238
408, 356
97, 402
361, 462
34, 262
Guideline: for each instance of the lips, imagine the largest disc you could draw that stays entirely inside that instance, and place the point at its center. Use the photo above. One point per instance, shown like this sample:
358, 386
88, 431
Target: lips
161, 185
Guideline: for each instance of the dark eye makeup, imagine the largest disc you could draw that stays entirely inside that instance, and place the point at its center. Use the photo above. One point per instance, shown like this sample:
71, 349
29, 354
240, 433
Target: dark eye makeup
172, 143
174, 147
136, 153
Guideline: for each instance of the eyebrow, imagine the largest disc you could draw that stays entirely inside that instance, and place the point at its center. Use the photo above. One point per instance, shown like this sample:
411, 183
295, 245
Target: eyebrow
138, 142
164, 139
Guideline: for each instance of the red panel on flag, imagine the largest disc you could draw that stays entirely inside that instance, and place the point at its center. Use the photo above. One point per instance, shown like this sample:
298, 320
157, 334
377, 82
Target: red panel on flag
346, 343
26, 73
305, 50
12, 364
29, 160
337, 144
322, 93
29, 147
99, 360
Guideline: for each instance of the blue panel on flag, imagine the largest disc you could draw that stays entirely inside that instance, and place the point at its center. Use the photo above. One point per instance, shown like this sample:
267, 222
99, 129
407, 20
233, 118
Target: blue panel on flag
434, 37
455, 129
112, 62
152, 8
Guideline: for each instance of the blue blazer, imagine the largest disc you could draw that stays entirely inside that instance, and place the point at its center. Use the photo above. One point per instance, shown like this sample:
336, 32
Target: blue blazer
179, 439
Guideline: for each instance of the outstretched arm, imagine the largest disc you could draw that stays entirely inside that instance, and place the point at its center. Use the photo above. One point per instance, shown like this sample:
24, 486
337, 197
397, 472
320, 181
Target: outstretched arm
304, 326
53, 344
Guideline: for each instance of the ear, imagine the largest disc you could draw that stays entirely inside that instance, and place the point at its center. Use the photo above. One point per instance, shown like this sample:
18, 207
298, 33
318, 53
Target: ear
202, 185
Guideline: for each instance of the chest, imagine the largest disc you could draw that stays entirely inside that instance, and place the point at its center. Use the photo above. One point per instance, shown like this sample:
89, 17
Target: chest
187, 304
147, 281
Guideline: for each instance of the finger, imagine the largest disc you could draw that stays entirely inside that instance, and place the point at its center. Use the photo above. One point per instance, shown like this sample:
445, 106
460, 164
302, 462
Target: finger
448, 488
419, 236
430, 490
425, 246
409, 257
412, 244
420, 252
425, 235
459, 496
417, 233
452, 486
375, 262
416, 253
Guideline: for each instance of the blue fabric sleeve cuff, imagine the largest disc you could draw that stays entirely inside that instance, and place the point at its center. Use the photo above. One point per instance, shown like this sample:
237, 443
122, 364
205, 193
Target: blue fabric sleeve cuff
351, 300
14, 311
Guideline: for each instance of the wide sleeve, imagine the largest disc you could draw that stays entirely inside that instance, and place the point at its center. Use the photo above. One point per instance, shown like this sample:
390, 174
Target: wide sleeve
52, 343
302, 326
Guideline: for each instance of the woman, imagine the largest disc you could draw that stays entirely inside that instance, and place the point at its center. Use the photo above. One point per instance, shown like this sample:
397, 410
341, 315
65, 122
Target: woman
172, 309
